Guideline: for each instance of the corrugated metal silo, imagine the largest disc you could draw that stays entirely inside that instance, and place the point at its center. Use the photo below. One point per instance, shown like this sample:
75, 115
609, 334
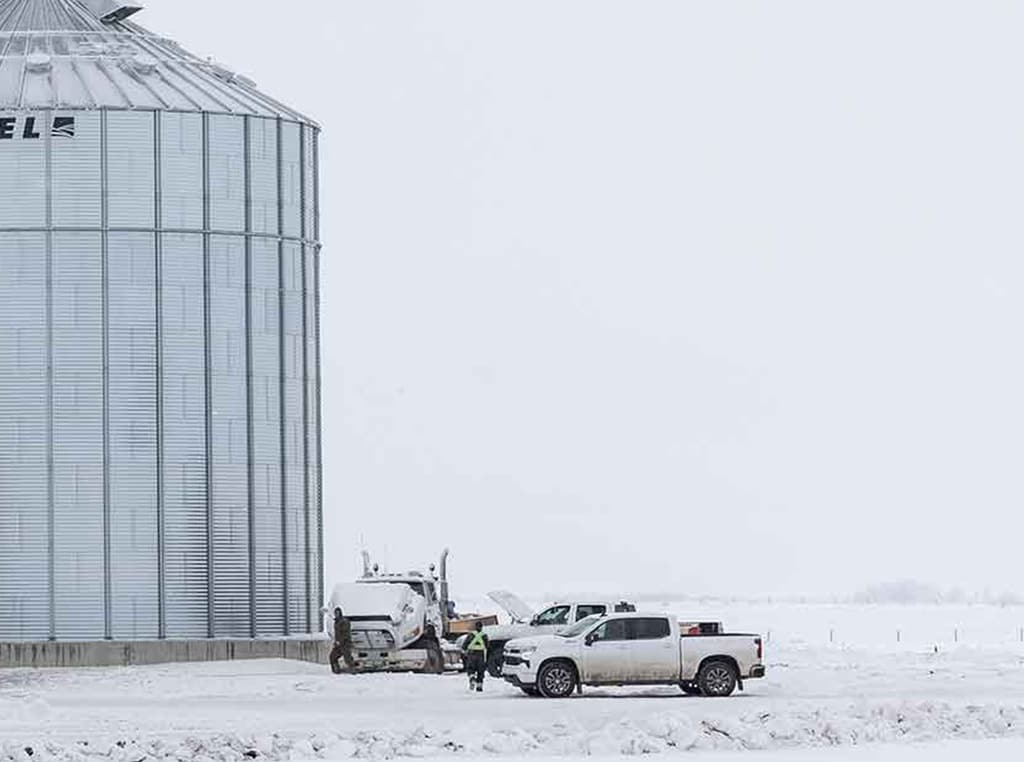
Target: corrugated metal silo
159, 339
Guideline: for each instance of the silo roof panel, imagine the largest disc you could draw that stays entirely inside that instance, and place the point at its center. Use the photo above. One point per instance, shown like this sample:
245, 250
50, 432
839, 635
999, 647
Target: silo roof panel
112, 64
43, 15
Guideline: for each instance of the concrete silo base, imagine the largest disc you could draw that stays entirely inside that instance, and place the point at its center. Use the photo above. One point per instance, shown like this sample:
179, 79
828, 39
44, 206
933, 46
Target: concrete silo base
124, 653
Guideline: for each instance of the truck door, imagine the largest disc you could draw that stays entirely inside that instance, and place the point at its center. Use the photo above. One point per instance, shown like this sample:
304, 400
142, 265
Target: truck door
551, 620
653, 651
584, 610
606, 653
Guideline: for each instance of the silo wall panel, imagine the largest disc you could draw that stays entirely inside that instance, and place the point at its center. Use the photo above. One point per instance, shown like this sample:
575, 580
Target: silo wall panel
78, 402
184, 434
24, 420
160, 394
132, 496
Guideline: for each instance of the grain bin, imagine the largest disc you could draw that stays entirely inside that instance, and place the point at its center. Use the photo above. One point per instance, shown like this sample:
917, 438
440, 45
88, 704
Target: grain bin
159, 339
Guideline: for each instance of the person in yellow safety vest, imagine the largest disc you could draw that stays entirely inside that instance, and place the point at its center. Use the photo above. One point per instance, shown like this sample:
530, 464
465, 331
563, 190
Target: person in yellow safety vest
476, 658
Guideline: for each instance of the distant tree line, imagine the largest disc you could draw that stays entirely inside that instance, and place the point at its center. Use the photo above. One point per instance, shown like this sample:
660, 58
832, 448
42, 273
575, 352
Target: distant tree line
898, 592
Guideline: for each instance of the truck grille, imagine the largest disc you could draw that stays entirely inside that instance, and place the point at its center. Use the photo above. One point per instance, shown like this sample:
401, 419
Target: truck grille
373, 640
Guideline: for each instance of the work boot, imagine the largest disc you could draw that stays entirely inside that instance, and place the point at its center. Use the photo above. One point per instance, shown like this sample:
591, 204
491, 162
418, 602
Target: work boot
479, 687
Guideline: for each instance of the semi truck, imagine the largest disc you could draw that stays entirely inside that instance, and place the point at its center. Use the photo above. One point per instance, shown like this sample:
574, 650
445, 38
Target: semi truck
402, 622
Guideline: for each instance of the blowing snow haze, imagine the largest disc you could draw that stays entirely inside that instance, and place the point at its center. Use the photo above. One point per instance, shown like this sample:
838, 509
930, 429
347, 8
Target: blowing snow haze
720, 297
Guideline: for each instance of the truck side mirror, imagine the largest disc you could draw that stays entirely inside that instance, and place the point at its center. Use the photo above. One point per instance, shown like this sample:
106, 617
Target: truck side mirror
590, 639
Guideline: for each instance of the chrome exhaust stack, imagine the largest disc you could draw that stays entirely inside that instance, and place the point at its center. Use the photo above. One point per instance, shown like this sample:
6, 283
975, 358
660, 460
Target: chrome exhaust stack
443, 590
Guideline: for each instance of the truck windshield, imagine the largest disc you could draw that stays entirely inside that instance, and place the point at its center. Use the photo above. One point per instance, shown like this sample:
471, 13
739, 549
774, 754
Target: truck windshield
581, 626
417, 587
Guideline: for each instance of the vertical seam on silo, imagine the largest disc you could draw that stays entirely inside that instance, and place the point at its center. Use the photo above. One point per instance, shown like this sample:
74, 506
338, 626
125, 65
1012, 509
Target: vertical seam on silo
316, 186
105, 339
305, 387
161, 508
319, 398
211, 621
307, 325
319, 431
249, 404
51, 537
282, 386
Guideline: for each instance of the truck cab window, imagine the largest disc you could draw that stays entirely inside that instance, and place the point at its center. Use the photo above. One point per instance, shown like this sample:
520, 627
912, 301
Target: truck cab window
417, 587
648, 629
613, 630
584, 610
554, 615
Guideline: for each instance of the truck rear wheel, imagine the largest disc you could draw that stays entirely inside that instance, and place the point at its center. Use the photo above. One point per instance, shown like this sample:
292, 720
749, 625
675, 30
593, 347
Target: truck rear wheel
717, 678
557, 679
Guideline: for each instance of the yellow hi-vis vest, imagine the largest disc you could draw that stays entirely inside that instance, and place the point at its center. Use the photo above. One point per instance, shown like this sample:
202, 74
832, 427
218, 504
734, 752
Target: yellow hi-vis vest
477, 642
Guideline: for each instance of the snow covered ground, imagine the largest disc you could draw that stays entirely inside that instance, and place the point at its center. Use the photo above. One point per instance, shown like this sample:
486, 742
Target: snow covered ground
813, 698
837, 703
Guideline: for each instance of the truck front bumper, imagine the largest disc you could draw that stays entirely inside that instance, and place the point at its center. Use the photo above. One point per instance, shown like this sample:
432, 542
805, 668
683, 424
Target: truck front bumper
409, 660
519, 673
520, 682
516, 681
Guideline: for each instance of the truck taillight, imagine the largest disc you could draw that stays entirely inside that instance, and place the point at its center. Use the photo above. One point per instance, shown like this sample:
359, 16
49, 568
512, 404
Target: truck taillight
760, 648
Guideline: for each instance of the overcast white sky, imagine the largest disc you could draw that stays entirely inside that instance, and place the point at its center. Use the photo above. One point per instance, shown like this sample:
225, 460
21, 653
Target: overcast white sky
705, 296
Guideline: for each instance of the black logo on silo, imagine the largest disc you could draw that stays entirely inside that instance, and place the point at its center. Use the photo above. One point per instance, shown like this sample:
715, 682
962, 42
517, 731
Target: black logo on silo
63, 127
29, 127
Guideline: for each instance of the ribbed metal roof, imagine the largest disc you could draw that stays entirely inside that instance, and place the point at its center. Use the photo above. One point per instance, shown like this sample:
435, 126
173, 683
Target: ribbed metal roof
60, 54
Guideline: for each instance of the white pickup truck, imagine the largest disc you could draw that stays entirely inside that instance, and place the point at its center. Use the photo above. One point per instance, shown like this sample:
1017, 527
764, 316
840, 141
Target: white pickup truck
632, 649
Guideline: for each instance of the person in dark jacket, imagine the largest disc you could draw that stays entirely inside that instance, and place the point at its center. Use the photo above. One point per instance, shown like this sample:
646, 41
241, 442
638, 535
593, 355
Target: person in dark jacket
342, 643
476, 658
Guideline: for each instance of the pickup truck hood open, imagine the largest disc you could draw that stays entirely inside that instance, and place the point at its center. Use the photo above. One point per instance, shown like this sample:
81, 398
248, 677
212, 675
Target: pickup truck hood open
503, 633
513, 605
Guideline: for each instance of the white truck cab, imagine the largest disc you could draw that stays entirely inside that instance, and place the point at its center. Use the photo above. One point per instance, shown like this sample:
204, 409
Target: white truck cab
401, 622
632, 649
396, 621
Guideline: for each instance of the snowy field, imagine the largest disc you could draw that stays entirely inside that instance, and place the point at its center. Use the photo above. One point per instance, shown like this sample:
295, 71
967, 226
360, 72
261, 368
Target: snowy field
838, 703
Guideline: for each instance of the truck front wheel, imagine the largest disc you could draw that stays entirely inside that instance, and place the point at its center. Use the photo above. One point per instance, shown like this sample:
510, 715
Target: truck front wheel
496, 659
717, 678
557, 679
435, 658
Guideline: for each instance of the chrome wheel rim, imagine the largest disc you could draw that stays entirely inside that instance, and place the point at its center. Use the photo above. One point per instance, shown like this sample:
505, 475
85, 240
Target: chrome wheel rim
558, 681
718, 680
